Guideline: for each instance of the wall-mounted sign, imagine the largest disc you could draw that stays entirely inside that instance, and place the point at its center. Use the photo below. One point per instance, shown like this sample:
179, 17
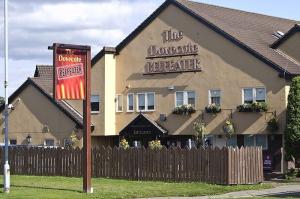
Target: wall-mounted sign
69, 73
175, 53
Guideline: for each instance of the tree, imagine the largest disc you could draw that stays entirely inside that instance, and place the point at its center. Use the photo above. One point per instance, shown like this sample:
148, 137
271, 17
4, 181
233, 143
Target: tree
200, 130
1, 100
292, 128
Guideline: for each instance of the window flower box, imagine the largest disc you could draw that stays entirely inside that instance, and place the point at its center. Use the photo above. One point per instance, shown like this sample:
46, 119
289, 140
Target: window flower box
260, 106
254, 107
184, 110
245, 108
213, 108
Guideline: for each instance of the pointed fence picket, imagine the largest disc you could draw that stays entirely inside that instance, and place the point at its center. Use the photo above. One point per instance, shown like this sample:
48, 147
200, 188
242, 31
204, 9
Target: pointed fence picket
211, 165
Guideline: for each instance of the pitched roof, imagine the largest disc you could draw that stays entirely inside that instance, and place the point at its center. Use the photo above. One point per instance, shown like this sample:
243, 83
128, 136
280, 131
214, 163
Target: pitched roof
43, 81
252, 32
143, 121
250, 29
286, 36
45, 86
44, 71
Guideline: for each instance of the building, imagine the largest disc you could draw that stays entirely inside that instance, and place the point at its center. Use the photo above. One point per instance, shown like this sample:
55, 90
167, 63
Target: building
185, 53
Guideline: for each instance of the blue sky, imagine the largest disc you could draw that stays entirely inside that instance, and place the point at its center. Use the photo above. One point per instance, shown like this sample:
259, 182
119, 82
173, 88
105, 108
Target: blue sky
281, 8
33, 26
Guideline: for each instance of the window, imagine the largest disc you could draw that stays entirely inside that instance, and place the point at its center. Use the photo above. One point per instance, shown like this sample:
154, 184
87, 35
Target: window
260, 95
261, 140
256, 140
249, 140
13, 142
67, 142
232, 141
251, 95
145, 101
215, 97
185, 98
248, 96
179, 98
130, 105
119, 103
49, 142
95, 103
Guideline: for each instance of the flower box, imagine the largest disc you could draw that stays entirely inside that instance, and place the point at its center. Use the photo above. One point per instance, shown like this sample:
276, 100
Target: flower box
184, 110
213, 108
254, 107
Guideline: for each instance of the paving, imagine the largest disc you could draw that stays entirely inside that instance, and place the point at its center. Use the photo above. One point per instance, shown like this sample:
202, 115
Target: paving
280, 191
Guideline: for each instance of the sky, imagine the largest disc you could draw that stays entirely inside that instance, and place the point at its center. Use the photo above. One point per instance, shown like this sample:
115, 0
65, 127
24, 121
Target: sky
36, 24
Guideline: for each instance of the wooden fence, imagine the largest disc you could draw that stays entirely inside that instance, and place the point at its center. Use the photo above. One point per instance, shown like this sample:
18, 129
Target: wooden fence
217, 166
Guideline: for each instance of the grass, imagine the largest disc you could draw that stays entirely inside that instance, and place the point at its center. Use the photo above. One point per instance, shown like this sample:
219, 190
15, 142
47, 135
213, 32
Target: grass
63, 187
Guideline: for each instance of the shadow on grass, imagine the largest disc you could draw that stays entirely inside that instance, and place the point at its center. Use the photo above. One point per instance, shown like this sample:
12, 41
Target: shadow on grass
38, 187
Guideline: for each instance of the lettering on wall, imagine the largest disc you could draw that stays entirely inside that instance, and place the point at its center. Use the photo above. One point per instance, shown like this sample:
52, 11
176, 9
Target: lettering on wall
175, 53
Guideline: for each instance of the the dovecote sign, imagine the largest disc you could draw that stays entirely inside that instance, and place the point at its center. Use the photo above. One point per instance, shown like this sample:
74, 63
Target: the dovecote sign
172, 58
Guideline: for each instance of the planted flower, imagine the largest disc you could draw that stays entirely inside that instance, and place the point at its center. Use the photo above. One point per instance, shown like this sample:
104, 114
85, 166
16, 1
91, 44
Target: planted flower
213, 108
245, 108
124, 144
260, 106
184, 110
254, 107
155, 145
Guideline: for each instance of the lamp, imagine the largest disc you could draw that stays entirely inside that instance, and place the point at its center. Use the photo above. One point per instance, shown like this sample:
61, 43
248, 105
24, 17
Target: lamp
29, 139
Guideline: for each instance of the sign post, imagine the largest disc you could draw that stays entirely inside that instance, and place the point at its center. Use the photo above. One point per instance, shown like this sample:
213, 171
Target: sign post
71, 81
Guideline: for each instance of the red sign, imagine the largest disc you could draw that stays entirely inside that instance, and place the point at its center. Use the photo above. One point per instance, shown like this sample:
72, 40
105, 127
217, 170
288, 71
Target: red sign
69, 73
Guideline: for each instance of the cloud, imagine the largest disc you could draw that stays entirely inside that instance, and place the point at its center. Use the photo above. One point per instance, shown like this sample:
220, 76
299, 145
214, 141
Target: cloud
36, 24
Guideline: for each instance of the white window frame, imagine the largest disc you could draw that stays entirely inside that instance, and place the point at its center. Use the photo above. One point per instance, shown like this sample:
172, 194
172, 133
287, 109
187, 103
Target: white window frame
253, 93
146, 102
209, 95
254, 140
117, 103
130, 111
185, 97
94, 112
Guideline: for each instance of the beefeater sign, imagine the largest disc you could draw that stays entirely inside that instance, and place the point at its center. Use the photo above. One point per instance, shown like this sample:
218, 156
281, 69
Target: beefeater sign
69, 74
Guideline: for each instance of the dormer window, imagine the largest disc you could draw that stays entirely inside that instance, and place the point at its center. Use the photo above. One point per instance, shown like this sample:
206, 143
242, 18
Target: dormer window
278, 34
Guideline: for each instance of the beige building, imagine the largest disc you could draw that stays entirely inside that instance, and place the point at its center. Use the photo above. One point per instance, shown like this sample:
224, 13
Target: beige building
184, 61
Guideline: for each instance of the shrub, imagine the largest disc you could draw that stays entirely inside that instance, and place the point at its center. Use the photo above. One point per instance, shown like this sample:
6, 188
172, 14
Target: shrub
184, 110
273, 124
155, 145
73, 141
200, 130
213, 108
228, 128
124, 144
292, 128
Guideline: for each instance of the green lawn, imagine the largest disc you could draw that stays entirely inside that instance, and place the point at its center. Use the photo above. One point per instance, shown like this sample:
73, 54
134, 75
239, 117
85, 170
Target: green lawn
63, 187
